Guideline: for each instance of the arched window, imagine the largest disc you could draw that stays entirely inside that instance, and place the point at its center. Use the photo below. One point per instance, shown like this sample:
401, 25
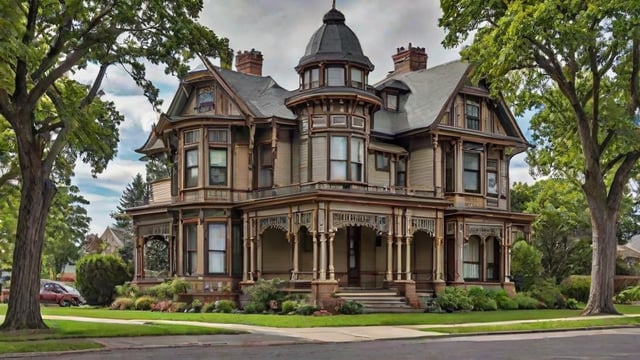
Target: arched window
471, 258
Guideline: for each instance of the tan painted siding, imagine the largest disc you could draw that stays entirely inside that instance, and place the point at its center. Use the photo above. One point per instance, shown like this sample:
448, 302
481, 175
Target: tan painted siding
275, 252
295, 159
319, 158
161, 191
421, 165
376, 178
304, 161
282, 164
240, 175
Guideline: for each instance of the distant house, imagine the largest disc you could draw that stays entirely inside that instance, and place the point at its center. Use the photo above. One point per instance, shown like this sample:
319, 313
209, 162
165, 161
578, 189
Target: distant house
630, 252
111, 240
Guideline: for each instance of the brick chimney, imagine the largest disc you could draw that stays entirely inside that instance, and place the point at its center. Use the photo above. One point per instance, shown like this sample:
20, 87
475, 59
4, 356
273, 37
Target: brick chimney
411, 59
249, 62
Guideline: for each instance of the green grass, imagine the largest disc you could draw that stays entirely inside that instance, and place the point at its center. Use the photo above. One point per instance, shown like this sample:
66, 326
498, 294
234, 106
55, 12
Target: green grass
64, 335
540, 325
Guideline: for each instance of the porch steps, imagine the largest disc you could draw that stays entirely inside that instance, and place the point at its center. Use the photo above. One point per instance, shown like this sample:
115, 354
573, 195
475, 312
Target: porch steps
378, 301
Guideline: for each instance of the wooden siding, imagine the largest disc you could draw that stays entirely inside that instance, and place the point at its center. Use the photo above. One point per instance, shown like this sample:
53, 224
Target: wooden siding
282, 163
240, 175
421, 165
319, 158
376, 178
295, 158
161, 191
304, 160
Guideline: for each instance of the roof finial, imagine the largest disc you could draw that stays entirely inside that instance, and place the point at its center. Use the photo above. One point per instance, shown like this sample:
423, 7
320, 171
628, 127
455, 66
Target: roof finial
334, 4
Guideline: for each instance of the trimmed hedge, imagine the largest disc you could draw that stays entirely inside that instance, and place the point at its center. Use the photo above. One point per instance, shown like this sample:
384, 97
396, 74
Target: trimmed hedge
577, 287
97, 276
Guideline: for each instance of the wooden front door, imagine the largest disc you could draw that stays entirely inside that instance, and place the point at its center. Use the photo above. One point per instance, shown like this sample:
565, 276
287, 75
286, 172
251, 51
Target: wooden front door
353, 253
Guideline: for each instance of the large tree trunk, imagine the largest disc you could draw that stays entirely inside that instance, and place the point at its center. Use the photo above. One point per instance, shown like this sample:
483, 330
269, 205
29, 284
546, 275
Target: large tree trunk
36, 197
603, 266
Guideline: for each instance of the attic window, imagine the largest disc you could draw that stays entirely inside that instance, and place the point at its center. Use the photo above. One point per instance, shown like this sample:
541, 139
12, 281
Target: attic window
204, 101
472, 115
392, 102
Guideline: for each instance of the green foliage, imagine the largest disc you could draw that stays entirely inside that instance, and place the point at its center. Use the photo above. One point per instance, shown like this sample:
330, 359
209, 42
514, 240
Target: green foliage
195, 306
576, 287
525, 265
254, 308
526, 302
507, 303
97, 276
350, 308
180, 306
179, 286
162, 291
572, 304
622, 268
209, 307
454, 299
306, 309
123, 303
549, 294
145, 302
224, 306
128, 290
289, 306
628, 295
263, 293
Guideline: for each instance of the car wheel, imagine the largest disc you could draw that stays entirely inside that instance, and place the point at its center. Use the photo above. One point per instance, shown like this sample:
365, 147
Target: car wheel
65, 303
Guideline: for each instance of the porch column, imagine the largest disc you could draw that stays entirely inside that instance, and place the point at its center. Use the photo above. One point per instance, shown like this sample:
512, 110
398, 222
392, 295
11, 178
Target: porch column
259, 256
245, 259
408, 261
438, 259
315, 255
399, 251
389, 276
332, 269
296, 249
252, 242
323, 256
460, 256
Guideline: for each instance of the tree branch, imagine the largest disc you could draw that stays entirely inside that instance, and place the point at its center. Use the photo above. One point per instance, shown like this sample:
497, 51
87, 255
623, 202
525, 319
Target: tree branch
621, 178
61, 138
611, 163
606, 141
95, 87
20, 85
634, 103
13, 173
55, 49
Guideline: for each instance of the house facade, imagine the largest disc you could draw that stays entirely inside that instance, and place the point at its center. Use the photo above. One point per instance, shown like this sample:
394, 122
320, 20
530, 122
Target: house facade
402, 184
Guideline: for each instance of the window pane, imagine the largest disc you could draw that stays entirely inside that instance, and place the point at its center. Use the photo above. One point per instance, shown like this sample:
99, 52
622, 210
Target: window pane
471, 161
191, 177
191, 236
265, 177
217, 236
338, 148
192, 158
217, 136
217, 176
315, 77
216, 262
338, 170
356, 171
339, 120
392, 102
266, 155
471, 181
357, 150
335, 76
193, 262
356, 77
382, 161
217, 157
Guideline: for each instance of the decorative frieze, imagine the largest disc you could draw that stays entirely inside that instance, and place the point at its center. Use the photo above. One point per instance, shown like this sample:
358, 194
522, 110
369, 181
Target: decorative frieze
374, 221
427, 225
280, 222
303, 219
484, 231
154, 229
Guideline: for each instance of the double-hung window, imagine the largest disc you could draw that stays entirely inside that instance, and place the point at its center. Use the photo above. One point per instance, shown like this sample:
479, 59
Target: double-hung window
218, 139
471, 176
311, 78
190, 239
472, 115
191, 156
335, 76
217, 248
265, 179
347, 158
401, 172
356, 78
205, 100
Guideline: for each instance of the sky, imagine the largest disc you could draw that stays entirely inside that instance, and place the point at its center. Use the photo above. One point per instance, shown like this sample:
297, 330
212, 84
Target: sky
280, 29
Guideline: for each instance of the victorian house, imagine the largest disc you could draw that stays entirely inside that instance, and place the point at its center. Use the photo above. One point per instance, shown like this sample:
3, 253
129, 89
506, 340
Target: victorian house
403, 184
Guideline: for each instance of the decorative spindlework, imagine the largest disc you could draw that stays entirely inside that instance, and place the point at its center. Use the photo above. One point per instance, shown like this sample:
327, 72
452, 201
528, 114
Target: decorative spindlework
427, 225
377, 222
484, 231
280, 222
154, 229
451, 228
302, 219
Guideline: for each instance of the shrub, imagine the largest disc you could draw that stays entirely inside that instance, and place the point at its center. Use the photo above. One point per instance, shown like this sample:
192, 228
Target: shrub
350, 308
145, 302
526, 302
160, 291
526, 264
209, 307
180, 306
128, 290
179, 286
123, 303
577, 287
264, 293
628, 295
195, 306
549, 294
289, 306
254, 308
306, 309
224, 306
453, 299
97, 276
482, 299
507, 303
572, 304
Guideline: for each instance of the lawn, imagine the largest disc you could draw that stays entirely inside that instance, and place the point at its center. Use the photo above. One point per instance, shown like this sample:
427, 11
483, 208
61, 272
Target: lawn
539, 325
64, 335
296, 321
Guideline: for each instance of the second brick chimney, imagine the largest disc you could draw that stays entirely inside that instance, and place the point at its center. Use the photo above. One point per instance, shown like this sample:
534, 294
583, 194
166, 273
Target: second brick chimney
410, 59
249, 62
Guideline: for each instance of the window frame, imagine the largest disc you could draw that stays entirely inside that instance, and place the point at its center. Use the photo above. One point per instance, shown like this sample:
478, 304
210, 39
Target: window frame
205, 106
190, 253
386, 160
355, 83
401, 170
472, 121
391, 101
265, 148
187, 175
353, 170
329, 79
467, 170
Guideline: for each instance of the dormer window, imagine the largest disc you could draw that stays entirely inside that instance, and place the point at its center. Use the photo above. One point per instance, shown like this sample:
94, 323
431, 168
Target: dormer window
357, 78
472, 115
204, 101
335, 76
392, 102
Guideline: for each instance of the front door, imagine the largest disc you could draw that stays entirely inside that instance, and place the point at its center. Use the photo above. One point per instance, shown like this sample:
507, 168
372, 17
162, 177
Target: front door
353, 243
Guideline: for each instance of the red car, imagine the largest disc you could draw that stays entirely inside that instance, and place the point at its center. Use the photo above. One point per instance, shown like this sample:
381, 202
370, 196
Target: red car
54, 293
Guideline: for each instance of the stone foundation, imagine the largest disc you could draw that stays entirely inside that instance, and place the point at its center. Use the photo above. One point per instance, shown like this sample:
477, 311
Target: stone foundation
407, 288
510, 288
323, 290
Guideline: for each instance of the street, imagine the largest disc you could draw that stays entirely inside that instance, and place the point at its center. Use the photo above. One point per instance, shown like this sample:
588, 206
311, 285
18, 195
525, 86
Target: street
592, 344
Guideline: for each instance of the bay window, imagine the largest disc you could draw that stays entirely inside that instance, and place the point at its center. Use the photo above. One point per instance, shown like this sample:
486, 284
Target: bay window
191, 168
335, 76
356, 78
265, 163
347, 158
471, 175
190, 241
217, 166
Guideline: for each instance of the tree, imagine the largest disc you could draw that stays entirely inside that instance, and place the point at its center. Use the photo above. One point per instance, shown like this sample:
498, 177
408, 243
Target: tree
56, 119
526, 264
133, 195
577, 63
